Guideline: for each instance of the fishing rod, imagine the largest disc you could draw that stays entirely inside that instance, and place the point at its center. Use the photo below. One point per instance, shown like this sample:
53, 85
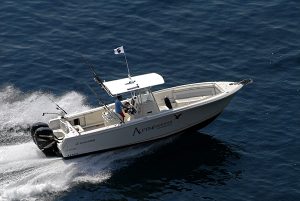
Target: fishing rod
57, 106
97, 79
102, 103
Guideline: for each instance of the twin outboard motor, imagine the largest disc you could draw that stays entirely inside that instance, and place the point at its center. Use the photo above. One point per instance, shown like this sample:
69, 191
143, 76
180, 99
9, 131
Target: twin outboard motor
44, 138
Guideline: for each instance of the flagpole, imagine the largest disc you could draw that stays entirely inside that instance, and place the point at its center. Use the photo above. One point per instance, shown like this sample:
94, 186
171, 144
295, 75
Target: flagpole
120, 50
129, 76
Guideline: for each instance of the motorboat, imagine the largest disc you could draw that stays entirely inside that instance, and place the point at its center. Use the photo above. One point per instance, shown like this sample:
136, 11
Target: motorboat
151, 115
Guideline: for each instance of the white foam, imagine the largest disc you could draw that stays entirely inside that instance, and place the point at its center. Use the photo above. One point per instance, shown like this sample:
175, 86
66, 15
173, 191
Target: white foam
24, 170
8, 153
25, 173
20, 109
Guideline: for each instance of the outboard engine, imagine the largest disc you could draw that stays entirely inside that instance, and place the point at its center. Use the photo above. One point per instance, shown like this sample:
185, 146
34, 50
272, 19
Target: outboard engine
44, 138
36, 126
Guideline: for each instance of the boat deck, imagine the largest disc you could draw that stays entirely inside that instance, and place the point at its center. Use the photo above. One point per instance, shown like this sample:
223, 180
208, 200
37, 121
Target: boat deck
180, 96
93, 127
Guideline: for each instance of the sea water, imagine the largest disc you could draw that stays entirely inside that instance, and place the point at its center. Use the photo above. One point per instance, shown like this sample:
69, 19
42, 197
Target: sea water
250, 152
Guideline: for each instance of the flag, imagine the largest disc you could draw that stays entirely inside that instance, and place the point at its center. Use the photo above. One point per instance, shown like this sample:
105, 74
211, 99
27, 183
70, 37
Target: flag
119, 50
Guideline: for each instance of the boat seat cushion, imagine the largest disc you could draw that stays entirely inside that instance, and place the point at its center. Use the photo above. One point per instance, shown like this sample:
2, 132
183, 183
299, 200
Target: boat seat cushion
193, 95
208, 91
192, 99
163, 108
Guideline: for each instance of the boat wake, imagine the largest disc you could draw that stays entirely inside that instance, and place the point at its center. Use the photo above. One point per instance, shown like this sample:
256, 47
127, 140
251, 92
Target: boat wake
19, 110
25, 173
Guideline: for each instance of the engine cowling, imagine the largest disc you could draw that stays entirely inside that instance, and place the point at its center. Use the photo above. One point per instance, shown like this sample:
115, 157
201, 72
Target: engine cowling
45, 139
36, 126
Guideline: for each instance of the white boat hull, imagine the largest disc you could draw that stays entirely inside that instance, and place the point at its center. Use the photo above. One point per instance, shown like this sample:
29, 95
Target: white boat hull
143, 130
159, 114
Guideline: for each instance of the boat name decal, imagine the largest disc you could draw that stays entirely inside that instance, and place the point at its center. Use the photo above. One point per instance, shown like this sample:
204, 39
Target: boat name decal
149, 128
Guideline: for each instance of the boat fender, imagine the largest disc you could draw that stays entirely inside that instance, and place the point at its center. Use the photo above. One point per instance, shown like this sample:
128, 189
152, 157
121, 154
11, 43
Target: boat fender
168, 102
35, 126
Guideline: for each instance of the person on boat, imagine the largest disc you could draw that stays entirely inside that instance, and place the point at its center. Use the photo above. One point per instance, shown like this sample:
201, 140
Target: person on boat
119, 106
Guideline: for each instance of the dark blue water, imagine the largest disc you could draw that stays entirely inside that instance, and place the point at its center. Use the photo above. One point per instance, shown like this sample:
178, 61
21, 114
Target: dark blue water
251, 152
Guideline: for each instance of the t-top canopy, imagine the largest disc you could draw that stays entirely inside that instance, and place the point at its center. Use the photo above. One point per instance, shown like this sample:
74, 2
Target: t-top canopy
137, 82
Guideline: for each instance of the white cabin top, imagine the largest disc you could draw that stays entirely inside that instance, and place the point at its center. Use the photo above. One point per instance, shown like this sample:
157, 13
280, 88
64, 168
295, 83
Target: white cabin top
135, 83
